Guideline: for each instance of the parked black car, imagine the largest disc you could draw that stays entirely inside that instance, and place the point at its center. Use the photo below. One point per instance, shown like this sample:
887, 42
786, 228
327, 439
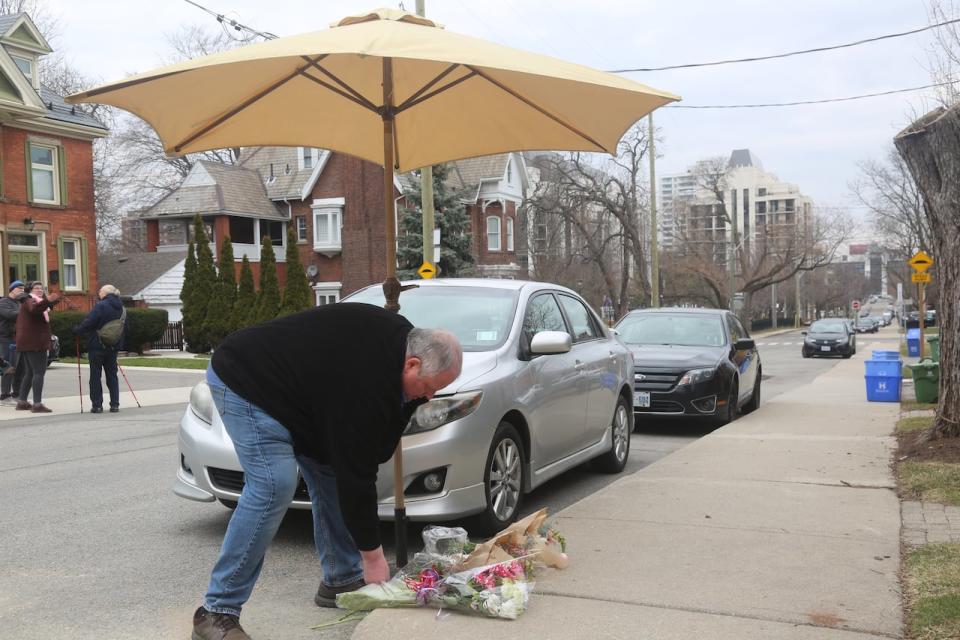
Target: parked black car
866, 325
829, 337
691, 363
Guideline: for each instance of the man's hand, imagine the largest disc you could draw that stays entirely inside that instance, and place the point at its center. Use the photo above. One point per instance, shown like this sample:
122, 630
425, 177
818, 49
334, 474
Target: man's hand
53, 298
375, 567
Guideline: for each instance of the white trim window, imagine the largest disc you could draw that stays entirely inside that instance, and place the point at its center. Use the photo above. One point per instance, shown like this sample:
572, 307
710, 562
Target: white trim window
45, 173
509, 234
26, 66
327, 293
70, 278
493, 233
326, 229
301, 228
307, 157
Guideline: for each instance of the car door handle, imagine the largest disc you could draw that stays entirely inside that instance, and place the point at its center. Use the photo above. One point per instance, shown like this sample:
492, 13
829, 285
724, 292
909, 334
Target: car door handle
578, 365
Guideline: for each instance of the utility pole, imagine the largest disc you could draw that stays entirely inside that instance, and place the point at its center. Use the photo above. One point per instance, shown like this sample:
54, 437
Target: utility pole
654, 248
732, 259
773, 305
426, 190
799, 315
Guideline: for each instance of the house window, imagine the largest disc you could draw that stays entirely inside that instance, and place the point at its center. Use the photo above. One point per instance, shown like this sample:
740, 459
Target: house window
301, 228
70, 258
327, 293
326, 228
241, 230
509, 234
45, 173
273, 229
761, 191
25, 65
493, 233
307, 157
509, 172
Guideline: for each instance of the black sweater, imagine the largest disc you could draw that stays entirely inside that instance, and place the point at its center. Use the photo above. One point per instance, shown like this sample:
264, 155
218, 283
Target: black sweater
332, 376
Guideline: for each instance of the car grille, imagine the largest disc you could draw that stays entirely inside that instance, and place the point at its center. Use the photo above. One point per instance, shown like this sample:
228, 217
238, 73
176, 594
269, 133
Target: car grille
655, 379
660, 406
232, 481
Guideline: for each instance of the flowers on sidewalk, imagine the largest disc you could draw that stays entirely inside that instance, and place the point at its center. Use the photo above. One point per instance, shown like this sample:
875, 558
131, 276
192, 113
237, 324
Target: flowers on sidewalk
494, 578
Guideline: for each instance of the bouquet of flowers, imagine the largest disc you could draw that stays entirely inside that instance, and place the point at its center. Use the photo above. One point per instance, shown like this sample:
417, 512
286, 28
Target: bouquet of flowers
493, 579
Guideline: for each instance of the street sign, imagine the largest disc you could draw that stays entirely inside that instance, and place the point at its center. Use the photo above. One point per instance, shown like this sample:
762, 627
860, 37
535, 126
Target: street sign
920, 263
920, 277
427, 270
855, 304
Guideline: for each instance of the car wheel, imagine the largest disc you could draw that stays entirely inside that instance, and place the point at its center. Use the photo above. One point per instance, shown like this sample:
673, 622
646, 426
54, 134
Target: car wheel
806, 354
730, 411
229, 504
754, 402
503, 480
614, 460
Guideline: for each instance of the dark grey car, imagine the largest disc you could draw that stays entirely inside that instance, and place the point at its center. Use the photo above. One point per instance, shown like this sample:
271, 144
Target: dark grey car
829, 337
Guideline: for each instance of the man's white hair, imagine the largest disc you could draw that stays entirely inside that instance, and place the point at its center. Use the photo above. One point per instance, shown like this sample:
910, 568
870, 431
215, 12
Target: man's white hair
438, 350
107, 289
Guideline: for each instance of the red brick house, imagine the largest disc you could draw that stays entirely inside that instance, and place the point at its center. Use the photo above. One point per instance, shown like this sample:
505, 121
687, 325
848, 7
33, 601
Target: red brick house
47, 219
335, 201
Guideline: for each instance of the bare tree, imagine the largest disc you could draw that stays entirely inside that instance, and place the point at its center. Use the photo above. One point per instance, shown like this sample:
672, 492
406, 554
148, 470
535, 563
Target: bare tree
944, 53
601, 208
929, 148
890, 193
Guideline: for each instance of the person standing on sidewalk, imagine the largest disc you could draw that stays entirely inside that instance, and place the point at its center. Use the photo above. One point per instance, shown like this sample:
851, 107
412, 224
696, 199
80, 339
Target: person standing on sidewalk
328, 391
9, 309
33, 342
103, 357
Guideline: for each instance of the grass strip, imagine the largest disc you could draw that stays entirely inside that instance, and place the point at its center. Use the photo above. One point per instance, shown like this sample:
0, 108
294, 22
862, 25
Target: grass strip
913, 405
932, 588
163, 363
930, 481
916, 423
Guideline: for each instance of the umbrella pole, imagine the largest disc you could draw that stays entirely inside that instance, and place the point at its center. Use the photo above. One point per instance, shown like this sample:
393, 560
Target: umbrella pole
391, 293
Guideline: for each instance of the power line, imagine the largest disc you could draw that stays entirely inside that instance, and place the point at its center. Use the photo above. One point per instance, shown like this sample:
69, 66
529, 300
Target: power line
237, 26
802, 102
791, 53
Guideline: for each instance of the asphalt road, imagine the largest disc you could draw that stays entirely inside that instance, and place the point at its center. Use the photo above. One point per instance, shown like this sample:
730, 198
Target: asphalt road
96, 546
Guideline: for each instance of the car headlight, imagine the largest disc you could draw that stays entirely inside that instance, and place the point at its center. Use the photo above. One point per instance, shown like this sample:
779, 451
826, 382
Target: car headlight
696, 375
809, 340
440, 411
201, 402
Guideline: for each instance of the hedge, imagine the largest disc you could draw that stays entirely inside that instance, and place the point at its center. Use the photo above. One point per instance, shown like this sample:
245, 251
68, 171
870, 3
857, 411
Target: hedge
144, 326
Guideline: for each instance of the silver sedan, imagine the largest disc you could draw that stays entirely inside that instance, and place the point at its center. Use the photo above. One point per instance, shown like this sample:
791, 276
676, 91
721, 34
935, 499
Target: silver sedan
545, 387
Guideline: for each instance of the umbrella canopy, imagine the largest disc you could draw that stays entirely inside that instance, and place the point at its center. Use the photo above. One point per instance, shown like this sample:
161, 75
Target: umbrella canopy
453, 96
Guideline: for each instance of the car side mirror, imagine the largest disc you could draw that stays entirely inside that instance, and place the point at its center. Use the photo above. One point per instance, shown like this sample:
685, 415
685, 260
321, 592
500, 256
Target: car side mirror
551, 342
745, 344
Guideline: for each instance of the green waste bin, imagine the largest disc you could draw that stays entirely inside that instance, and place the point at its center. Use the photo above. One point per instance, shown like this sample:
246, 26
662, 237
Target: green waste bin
934, 347
926, 380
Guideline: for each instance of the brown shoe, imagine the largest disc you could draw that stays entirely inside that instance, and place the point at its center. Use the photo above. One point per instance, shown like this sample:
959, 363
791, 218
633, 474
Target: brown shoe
327, 595
39, 408
23, 405
217, 626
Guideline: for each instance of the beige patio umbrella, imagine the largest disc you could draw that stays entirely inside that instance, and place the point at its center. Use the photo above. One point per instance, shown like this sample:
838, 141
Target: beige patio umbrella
390, 87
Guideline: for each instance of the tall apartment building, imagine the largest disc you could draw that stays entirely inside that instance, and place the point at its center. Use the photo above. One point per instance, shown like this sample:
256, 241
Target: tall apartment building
764, 206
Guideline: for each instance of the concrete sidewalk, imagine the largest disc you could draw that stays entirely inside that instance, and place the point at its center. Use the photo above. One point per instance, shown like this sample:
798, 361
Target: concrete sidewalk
784, 524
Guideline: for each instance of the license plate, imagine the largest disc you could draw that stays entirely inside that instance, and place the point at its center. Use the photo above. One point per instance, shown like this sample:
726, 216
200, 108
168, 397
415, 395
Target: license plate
824, 348
641, 398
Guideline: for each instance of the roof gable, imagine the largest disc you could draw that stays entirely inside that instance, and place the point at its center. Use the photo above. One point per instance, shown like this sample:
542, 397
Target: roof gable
132, 273
20, 31
26, 101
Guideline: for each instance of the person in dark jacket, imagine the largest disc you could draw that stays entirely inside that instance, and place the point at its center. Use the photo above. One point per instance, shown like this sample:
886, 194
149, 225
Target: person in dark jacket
103, 357
33, 342
328, 390
9, 309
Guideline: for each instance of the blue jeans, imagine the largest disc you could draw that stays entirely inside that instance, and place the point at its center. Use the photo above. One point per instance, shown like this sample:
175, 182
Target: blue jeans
265, 450
106, 360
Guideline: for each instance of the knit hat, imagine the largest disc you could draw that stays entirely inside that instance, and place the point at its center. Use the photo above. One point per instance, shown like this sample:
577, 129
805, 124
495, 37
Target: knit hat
15, 284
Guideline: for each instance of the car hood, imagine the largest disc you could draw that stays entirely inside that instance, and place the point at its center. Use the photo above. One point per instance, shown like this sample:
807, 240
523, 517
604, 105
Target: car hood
676, 357
474, 365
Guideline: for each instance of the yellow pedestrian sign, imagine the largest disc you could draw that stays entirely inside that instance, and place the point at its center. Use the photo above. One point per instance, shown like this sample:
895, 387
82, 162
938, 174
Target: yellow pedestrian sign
920, 262
920, 277
427, 270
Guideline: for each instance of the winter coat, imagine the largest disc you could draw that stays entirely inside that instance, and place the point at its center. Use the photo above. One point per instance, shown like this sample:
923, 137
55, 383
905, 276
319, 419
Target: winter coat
109, 308
33, 330
9, 310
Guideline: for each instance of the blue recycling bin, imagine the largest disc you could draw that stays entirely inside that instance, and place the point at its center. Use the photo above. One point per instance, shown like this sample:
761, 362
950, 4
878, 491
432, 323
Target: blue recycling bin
913, 343
883, 378
886, 355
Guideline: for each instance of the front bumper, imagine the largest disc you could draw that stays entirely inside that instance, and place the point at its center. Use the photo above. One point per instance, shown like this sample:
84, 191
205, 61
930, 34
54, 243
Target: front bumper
816, 349
702, 399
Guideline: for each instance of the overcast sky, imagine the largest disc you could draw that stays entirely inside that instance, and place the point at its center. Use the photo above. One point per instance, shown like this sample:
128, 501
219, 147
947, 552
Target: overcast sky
816, 147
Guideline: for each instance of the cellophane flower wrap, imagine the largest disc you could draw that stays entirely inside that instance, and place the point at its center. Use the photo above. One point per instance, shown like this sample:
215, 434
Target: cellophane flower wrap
494, 578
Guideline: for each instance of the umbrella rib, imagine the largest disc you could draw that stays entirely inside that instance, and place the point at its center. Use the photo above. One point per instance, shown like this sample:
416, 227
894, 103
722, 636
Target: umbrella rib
120, 85
410, 102
534, 105
363, 102
427, 86
360, 98
246, 103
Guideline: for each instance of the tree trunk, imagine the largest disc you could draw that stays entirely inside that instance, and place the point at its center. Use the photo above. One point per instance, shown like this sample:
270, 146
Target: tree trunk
931, 148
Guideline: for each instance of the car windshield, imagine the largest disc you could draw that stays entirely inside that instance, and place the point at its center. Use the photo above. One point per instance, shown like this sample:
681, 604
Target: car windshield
681, 329
828, 327
480, 317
